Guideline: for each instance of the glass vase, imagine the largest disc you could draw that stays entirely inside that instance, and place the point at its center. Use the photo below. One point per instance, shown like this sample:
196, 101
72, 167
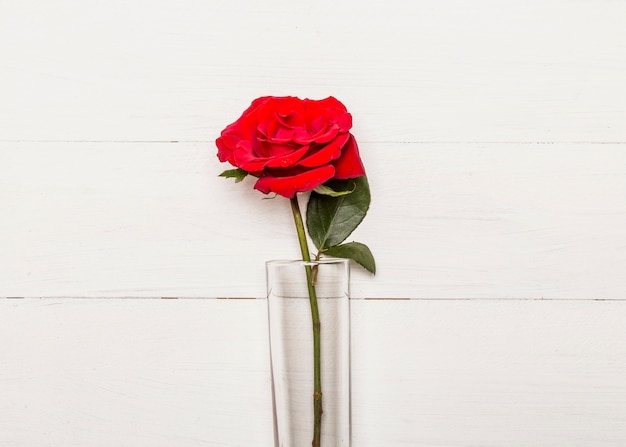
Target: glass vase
293, 290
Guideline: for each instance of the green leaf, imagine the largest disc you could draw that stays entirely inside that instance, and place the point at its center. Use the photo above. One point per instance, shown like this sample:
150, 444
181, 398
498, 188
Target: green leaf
330, 220
237, 174
357, 252
326, 191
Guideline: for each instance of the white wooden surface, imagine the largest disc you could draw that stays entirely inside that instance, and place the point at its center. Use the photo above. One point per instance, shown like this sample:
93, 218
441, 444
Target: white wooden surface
447, 221
494, 137
191, 372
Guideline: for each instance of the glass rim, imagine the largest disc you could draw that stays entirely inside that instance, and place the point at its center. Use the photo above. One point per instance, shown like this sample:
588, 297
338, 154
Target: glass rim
322, 261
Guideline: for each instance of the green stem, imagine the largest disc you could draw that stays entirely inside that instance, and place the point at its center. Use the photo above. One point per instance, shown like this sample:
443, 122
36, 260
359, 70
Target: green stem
317, 382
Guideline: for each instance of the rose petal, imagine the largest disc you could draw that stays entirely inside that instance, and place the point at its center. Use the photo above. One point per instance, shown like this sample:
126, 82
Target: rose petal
289, 186
274, 148
344, 121
245, 158
336, 113
224, 153
349, 165
277, 111
287, 160
326, 154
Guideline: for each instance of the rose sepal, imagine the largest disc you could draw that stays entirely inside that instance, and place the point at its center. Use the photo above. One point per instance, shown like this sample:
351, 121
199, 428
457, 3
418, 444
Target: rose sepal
328, 191
238, 174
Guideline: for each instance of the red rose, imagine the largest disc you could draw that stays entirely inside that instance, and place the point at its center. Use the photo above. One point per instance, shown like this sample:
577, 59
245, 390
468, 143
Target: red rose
291, 144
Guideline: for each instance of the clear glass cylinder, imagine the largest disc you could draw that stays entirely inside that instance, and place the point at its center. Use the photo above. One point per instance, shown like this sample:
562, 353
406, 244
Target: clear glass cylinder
292, 353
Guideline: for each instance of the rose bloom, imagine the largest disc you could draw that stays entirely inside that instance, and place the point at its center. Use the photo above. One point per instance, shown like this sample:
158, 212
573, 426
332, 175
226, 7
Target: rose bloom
291, 144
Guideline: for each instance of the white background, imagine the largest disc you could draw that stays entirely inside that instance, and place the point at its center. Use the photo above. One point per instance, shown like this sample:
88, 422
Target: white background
494, 137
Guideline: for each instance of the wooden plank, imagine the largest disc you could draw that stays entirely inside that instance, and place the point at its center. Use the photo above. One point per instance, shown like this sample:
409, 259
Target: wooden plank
447, 221
134, 373
409, 71
195, 372
489, 373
